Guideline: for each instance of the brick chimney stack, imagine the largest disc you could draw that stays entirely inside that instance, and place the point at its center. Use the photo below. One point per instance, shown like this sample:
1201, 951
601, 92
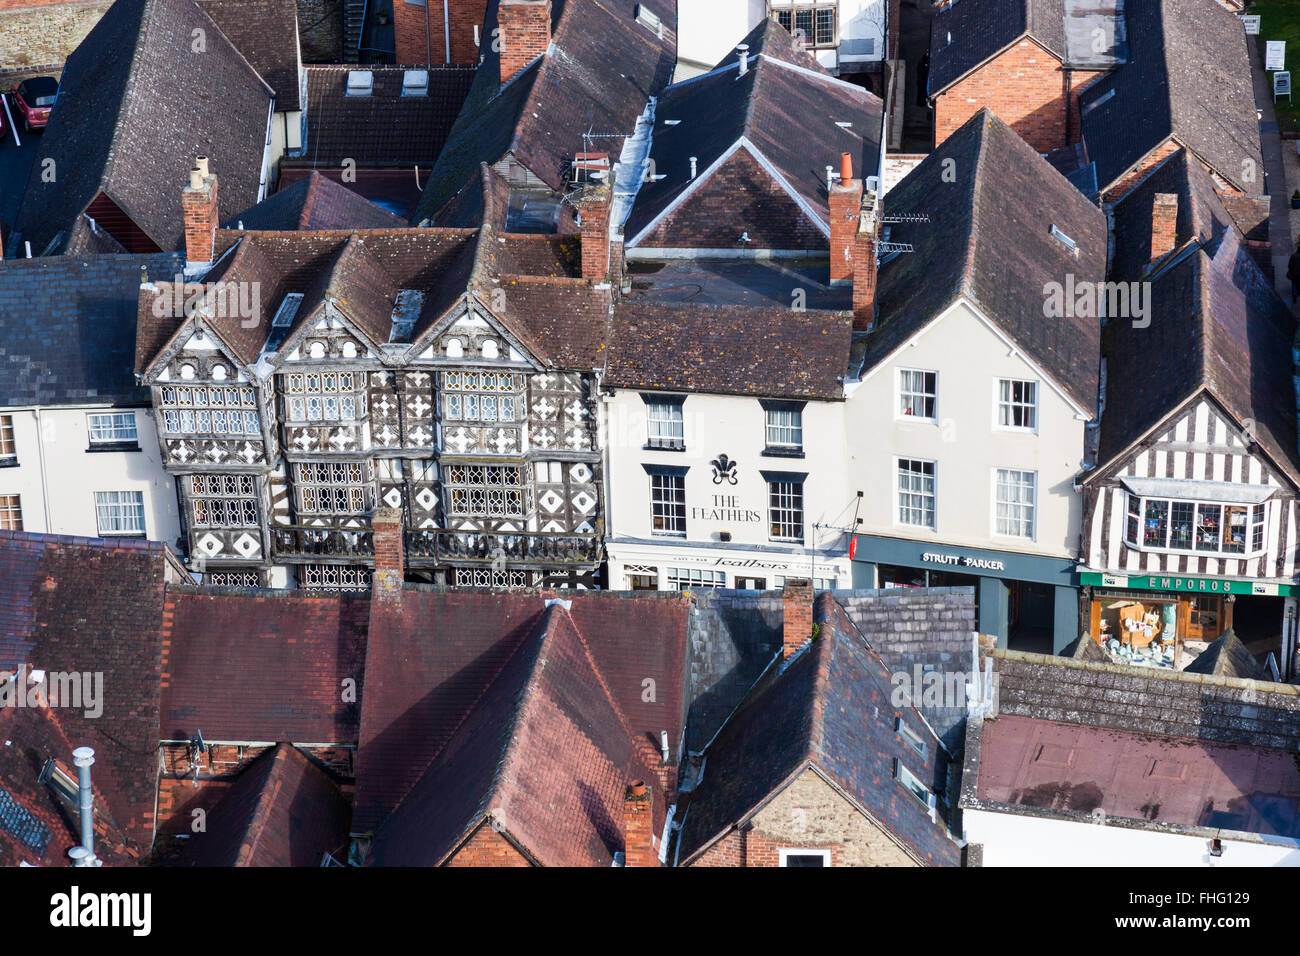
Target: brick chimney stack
796, 615
638, 826
594, 205
199, 206
525, 27
865, 264
390, 555
845, 202
1164, 224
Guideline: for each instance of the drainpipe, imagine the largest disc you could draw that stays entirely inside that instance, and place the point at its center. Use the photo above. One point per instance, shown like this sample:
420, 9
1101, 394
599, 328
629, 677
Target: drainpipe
446, 29
83, 757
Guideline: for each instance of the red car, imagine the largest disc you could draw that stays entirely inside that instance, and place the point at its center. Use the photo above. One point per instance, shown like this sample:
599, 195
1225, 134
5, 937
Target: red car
33, 98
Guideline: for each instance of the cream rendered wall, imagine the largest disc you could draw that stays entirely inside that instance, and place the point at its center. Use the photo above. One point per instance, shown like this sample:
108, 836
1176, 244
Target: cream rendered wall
734, 426
967, 447
57, 477
1012, 839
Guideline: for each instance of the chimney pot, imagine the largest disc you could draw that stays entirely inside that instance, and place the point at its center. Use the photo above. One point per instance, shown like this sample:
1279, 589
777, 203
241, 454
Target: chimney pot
846, 167
796, 615
201, 164
1164, 224
743, 50
82, 758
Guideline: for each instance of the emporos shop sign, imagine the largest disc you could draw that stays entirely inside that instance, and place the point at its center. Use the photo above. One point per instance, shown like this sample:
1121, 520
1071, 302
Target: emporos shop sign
1162, 582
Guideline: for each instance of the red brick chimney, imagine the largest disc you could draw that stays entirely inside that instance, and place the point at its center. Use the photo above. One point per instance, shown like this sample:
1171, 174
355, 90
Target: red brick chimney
638, 826
390, 555
525, 27
594, 203
796, 615
1164, 224
845, 201
865, 264
199, 206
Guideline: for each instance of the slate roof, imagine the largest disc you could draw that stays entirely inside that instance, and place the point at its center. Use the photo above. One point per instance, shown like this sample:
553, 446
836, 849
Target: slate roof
989, 239
284, 654
385, 128
78, 605
266, 33
544, 754
315, 202
788, 115
980, 29
135, 110
731, 350
1141, 700
1216, 325
1138, 775
69, 328
1227, 657
829, 709
1188, 77
485, 702
598, 75
281, 811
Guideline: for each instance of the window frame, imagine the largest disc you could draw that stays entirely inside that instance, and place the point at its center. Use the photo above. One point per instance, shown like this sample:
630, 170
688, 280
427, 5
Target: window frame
665, 472
1012, 404
11, 510
794, 480
1255, 539
933, 396
785, 852
898, 493
8, 437
174, 408
456, 393
1033, 505
519, 486
782, 449
655, 400
304, 483
99, 517
701, 579
304, 395
792, 9
905, 778
207, 498
112, 444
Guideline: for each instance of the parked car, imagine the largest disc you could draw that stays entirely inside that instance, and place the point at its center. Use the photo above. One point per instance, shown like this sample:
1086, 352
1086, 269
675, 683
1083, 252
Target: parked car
33, 98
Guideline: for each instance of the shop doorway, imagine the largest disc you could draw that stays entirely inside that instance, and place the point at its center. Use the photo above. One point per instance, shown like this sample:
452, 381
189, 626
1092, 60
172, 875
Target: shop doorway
1031, 617
1257, 622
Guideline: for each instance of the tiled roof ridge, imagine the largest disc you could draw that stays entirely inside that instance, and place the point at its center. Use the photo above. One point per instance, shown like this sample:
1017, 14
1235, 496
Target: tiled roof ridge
1155, 673
267, 793
56, 540
967, 286
309, 196
451, 734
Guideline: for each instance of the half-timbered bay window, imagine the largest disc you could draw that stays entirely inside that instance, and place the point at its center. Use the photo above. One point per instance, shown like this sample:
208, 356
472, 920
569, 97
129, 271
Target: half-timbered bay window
483, 397
813, 24
494, 491
333, 487
204, 410
1201, 526
223, 501
324, 396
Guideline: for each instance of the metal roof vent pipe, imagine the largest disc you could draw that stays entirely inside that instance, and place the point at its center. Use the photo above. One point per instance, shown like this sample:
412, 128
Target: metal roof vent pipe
743, 50
695, 165
83, 757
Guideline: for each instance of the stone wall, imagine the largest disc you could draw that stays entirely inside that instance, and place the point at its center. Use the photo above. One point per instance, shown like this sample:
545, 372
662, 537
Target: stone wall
42, 35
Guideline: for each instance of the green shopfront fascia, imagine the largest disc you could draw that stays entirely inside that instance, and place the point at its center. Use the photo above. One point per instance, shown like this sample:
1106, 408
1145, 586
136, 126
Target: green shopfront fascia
1027, 601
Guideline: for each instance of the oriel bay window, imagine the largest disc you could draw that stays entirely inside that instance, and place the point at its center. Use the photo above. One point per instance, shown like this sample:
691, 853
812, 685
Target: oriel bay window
482, 396
324, 396
333, 487
493, 491
223, 501
1200, 526
203, 410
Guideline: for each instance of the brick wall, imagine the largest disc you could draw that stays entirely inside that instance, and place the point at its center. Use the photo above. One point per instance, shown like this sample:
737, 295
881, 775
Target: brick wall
44, 33
739, 197
525, 27
808, 814
1025, 87
1131, 179
487, 848
416, 45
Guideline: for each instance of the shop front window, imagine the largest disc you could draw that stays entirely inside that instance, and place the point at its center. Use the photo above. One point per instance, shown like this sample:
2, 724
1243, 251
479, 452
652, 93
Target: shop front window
1159, 523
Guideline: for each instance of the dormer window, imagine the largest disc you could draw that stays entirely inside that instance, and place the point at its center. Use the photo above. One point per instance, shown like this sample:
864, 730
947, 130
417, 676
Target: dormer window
491, 350
288, 309
455, 348
219, 373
